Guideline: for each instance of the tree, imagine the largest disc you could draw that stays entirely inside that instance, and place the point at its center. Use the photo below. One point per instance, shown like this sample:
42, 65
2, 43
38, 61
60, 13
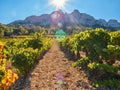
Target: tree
2, 28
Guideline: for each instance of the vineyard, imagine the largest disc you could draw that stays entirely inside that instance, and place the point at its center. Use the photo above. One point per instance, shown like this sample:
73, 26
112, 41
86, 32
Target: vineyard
94, 52
102, 55
23, 54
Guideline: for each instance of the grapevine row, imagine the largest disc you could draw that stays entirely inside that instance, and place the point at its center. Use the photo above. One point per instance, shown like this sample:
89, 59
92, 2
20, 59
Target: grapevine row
102, 50
23, 54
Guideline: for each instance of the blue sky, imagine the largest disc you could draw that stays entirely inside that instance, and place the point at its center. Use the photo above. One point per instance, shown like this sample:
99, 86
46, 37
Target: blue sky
11, 10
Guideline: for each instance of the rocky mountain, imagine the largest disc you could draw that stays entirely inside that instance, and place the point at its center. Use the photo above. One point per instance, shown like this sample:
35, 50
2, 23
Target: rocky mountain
75, 18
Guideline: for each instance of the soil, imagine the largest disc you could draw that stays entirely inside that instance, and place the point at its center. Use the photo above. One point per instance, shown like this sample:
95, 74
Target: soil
53, 65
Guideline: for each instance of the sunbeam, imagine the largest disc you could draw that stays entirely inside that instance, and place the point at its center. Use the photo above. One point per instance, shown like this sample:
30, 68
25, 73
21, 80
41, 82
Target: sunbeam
59, 4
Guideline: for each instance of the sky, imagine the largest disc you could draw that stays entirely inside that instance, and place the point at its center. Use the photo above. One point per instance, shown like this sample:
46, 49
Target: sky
11, 10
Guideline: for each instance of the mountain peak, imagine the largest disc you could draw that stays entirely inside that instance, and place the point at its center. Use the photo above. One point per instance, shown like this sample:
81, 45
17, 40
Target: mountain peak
76, 11
67, 19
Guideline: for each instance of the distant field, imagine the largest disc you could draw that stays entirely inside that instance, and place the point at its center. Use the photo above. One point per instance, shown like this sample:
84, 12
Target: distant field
20, 38
4, 40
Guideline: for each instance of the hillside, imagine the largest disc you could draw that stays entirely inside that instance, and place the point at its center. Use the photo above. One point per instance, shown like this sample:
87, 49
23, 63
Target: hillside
74, 18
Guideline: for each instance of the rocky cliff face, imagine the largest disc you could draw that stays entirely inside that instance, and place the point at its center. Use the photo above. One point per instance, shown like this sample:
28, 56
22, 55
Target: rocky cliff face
113, 23
67, 19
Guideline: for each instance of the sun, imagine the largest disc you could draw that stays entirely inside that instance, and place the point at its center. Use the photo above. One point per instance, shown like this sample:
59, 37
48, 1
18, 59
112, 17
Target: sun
59, 4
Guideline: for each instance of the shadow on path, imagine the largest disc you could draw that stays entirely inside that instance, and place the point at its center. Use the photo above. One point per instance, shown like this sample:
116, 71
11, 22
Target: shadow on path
44, 75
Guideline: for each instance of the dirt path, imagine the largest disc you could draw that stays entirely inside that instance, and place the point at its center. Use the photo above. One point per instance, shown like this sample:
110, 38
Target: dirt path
47, 71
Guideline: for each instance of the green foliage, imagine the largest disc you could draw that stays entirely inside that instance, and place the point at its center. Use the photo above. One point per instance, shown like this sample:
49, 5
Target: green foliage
82, 60
34, 42
24, 60
92, 41
115, 38
112, 53
2, 73
10, 49
2, 68
102, 49
112, 83
104, 67
23, 53
92, 65
65, 43
11, 30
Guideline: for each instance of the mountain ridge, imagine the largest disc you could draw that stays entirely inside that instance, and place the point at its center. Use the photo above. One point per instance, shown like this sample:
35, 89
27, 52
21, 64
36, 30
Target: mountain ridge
74, 18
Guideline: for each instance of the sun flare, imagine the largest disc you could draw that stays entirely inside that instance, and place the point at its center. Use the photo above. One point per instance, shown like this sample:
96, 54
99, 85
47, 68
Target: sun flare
59, 4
